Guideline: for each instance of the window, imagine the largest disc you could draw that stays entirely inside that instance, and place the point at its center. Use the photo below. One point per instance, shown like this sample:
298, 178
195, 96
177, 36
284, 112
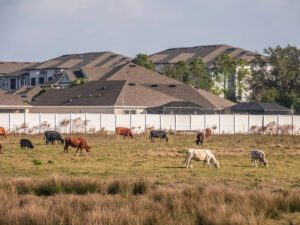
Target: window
33, 81
50, 78
129, 111
41, 80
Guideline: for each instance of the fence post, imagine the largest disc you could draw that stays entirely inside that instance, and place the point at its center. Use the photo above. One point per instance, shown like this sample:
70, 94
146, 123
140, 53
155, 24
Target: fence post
116, 121
85, 122
175, 125
40, 123
130, 120
24, 123
145, 122
160, 121
9, 126
190, 122
219, 123
55, 121
293, 125
248, 124
70, 123
204, 121
277, 131
100, 121
234, 124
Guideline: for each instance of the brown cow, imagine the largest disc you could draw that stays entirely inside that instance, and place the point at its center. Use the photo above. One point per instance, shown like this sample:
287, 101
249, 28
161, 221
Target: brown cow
2, 132
80, 143
208, 132
200, 136
126, 132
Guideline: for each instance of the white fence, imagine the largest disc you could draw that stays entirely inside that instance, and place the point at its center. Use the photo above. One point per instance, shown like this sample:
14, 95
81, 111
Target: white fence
91, 123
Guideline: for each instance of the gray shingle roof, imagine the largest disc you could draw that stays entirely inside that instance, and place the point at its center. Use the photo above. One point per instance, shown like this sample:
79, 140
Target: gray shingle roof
208, 53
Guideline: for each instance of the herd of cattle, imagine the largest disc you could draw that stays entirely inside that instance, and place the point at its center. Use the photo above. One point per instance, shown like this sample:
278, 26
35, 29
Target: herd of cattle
204, 155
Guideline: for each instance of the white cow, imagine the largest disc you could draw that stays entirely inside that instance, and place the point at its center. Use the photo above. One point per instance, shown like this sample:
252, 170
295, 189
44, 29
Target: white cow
260, 156
204, 155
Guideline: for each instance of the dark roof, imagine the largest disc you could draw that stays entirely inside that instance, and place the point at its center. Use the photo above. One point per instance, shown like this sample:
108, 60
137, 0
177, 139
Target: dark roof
259, 107
95, 93
176, 104
208, 53
126, 85
76, 61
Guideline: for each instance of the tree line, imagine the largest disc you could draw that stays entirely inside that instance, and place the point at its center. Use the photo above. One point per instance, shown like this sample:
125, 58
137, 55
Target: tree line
271, 77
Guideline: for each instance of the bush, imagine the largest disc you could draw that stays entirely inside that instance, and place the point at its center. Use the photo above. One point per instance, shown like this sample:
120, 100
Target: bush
139, 188
37, 162
48, 188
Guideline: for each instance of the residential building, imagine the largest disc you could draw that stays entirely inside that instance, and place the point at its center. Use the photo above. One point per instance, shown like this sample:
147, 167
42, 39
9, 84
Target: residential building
128, 88
209, 54
60, 69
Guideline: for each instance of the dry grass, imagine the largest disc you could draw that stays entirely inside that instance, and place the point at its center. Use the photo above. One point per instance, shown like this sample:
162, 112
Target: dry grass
139, 182
201, 204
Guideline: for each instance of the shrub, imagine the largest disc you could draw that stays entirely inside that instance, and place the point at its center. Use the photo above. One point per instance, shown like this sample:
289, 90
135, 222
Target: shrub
139, 188
37, 162
48, 188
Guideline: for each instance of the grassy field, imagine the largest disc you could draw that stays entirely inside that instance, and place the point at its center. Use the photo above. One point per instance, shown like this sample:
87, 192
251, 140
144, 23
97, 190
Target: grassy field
157, 169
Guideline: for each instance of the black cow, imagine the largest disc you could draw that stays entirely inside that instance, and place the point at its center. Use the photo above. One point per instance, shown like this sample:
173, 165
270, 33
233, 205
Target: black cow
158, 134
26, 143
52, 136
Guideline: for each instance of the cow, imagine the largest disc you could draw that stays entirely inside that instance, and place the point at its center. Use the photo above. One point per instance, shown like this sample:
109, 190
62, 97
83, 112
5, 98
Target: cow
260, 156
126, 132
1, 149
199, 138
52, 136
158, 134
208, 132
80, 143
204, 155
26, 143
201, 135
2, 132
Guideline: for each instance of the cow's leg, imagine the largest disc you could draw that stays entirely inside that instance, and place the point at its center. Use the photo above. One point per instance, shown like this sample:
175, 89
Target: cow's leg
189, 162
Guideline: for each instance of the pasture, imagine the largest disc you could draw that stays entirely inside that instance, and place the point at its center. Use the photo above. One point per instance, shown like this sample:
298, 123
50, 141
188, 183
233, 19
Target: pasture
158, 166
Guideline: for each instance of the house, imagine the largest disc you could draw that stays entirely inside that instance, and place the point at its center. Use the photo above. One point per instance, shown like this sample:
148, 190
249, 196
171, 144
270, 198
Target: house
125, 89
12, 104
62, 70
209, 54
13, 75
260, 108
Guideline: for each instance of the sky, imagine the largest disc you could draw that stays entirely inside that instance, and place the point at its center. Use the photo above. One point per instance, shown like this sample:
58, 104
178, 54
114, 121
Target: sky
37, 30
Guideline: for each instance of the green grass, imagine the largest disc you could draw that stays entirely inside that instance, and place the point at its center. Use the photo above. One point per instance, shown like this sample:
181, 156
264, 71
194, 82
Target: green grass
116, 158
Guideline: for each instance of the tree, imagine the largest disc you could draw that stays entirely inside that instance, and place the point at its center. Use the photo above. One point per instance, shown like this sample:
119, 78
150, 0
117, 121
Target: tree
224, 72
242, 78
79, 81
279, 71
179, 71
200, 76
143, 60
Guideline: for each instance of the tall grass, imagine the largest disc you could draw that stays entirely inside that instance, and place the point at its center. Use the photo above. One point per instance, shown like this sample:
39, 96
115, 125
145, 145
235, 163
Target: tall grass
144, 202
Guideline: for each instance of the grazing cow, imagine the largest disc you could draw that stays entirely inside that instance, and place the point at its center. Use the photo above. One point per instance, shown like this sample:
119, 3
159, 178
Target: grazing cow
80, 143
126, 132
51, 136
199, 138
260, 156
2, 132
158, 134
208, 132
26, 143
204, 155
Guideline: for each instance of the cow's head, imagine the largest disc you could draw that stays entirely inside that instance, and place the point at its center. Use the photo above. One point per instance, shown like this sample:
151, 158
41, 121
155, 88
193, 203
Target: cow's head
216, 164
88, 148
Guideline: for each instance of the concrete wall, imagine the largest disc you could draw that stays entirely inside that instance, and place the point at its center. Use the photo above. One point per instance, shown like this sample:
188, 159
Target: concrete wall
92, 123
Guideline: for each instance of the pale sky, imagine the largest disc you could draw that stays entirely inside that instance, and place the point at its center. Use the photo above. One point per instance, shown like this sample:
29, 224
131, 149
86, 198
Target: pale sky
36, 30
